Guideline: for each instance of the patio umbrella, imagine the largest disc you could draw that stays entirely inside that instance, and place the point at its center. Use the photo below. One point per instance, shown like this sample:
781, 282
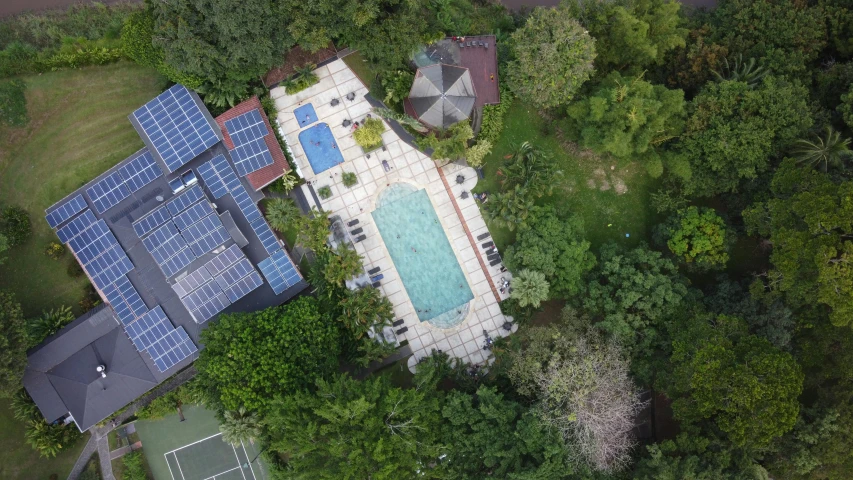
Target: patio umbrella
442, 95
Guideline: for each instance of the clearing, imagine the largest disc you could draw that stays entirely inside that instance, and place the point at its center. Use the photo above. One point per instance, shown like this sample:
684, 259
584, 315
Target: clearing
78, 128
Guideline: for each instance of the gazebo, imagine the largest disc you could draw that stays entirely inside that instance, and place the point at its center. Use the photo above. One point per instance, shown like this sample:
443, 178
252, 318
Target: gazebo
442, 95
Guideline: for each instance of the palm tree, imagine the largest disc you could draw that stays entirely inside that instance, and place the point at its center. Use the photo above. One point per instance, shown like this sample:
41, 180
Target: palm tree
282, 213
363, 309
510, 208
529, 287
49, 323
740, 71
240, 426
289, 181
342, 265
531, 168
824, 152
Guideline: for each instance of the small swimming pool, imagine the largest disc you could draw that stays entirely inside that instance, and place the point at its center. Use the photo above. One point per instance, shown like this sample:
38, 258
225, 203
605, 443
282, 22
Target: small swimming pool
320, 147
305, 115
423, 255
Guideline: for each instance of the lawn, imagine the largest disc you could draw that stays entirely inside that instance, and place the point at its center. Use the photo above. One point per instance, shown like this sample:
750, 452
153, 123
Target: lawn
19, 460
361, 67
611, 196
78, 128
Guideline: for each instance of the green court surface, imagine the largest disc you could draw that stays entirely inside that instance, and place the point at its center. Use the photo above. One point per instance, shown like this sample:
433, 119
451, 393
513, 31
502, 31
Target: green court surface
194, 450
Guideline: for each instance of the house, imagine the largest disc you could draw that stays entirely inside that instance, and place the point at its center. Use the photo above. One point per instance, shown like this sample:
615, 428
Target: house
170, 238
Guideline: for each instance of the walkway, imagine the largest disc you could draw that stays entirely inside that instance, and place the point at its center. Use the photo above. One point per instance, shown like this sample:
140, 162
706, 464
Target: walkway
120, 452
98, 440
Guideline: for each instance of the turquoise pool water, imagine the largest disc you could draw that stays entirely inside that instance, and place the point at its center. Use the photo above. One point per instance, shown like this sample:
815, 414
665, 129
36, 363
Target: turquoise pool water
423, 255
320, 147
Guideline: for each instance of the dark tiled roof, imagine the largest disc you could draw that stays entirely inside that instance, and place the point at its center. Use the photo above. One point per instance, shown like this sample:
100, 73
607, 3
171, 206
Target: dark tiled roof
263, 177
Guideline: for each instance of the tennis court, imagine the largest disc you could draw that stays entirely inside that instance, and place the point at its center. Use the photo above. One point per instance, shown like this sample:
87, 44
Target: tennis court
211, 458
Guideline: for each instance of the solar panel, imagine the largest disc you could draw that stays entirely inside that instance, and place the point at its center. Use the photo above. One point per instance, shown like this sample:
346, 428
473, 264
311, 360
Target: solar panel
246, 127
178, 262
250, 157
96, 248
243, 286
140, 171
279, 271
246, 204
184, 200
109, 267
224, 260
265, 235
108, 192
75, 226
151, 221
149, 328
176, 126
183, 348
206, 234
192, 281
192, 215
206, 301
212, 179
234, 273
125, 300
87, 237
61, 212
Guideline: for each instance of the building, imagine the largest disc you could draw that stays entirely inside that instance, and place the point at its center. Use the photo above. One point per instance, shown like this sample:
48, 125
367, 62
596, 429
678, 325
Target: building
170, 238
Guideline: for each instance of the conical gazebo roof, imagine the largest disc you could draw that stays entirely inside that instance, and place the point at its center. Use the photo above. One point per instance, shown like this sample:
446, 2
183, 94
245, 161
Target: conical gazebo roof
442, 95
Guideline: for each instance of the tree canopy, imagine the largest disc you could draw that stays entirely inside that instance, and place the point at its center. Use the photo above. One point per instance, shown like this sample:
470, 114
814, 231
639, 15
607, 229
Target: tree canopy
698, 237
13, 344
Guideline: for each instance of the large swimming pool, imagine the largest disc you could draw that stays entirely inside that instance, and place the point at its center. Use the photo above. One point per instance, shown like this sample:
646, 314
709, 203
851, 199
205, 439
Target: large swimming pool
423, 255
320, 147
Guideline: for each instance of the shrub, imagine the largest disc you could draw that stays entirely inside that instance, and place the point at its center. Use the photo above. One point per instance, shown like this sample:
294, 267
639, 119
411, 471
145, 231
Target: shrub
74, 269
15, 225
90, 300
452, 146
324, 192
49, 440
13, 103
134, 469
369, 134
55, 250
493, 118
304, 78
478, 152
349, 179
397, 86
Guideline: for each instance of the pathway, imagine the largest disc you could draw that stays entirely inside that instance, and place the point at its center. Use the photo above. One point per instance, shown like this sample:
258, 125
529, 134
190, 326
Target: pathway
120, 452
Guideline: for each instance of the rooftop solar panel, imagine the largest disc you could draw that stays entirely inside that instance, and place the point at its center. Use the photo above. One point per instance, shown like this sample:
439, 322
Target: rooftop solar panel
242, 287
265, 235
184, 200
212, 179
75, 226
246, 127
61, 212
178, 262
224, 260
160, 236
107, 268
206, 301
234, 273
279, 271
246, 204
172, 349
251, 157
88, 236
193, 215
96, 248
176, 126
151, 221
108, 192
206, 234
149, 328
140, 171
125, 300
191, 282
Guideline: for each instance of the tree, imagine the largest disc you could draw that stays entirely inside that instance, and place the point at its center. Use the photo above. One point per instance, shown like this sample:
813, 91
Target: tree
363, 310
747, 72
134, 467
342, 265
15, 225
552, 58
48, 323
765, 316
356, 429
477, 154
808, 220
251, 357
554, 247
633, 291
4, 245
824, 152
314, 231
369, 135
530, 168
487, 435
627, 117
240, 426
13, 344
584, 392
289, 181
631, 34
13, 103
453, 143
845, 108
733, 130
529, 287
747, 387
698, 238
509, 208
282, 213
49, 440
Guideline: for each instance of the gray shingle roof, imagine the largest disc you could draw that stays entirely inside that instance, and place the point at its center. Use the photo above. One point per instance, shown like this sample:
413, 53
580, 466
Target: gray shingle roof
442, 95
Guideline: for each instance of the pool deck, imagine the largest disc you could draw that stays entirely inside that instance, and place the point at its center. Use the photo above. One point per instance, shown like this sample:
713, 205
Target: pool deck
460, 218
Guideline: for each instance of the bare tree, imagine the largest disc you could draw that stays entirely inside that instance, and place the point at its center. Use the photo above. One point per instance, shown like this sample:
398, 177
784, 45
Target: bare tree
584, 391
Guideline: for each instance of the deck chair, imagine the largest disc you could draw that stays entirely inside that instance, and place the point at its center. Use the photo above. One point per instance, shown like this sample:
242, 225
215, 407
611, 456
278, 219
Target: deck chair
494, 262
397, 323
373, 271
360, 238
402, 330
352, 222
376, 284
356, 231
483, 236
488, 244
377, 278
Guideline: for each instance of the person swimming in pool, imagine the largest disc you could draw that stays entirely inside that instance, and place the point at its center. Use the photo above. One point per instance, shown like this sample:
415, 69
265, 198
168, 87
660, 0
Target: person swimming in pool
414, 250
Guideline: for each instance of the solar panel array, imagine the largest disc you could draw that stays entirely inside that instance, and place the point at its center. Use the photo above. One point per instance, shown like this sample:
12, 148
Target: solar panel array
205, 235
264, 232
176, 126
151, 221
75, 226
172, 349
250, 152
246, 204
219, 176
125, 300
96, 248
154, 333
223, 280
184, 200
108, 192
140, 171
59, 213
279, 271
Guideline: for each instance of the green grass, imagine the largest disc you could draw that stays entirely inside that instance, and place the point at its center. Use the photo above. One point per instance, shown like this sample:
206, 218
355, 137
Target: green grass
361, 67
118, 466
19, 460
588, 186
78, 128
